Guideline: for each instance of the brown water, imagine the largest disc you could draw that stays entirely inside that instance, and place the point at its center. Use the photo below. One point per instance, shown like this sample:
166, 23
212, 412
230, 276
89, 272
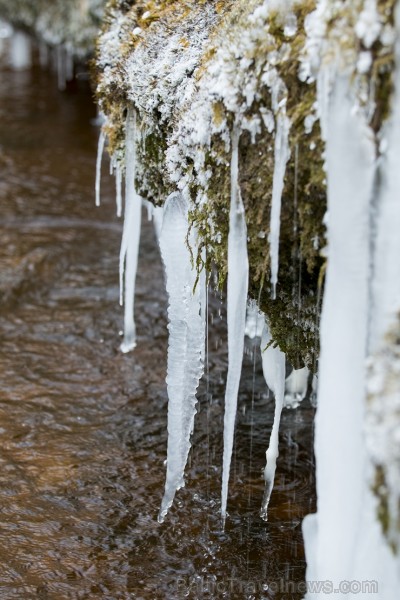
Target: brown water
83, 427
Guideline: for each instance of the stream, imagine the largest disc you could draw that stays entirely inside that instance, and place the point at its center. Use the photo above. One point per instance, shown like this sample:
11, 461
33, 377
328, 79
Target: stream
83, 432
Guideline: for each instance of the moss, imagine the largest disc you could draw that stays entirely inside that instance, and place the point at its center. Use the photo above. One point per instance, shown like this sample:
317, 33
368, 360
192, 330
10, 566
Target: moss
381, 491
151, 182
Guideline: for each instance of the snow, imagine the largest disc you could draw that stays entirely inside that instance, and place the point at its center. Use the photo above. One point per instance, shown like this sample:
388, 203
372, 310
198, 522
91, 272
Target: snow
129, 252
237, 286
186, 341
383, 407
386, 282
273, 364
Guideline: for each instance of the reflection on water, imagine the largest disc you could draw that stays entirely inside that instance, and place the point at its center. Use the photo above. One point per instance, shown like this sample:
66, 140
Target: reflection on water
83, 427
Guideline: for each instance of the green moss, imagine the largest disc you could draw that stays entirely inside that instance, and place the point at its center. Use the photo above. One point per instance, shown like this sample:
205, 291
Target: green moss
152, 182
380, 490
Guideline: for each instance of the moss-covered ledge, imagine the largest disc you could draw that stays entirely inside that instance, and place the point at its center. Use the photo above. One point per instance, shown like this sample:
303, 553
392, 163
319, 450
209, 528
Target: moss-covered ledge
192, 70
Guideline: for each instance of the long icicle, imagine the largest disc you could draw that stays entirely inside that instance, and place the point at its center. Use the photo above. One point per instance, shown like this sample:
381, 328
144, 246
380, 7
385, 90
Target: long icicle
238, 277
118, 188
129, 252
186, 340
273, 363
281, 156
100, 150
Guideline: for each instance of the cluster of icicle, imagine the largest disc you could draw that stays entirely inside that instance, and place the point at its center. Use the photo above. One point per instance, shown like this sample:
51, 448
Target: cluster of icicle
344, 540
187, 314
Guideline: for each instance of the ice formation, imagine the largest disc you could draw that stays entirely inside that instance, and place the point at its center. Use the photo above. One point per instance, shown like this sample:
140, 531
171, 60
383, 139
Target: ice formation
237, 286
129, 252
274, 368
185, 343
296, 387
281, 156
344, 540
100, 151
20, 51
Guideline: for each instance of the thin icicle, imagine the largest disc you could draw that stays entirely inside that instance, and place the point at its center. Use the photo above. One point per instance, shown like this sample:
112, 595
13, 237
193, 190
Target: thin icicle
69, 64
20, 51
238, 275
100, 150
118, 187
158, 215
61, 76
281, 156
129, 252
273, 363
186, 341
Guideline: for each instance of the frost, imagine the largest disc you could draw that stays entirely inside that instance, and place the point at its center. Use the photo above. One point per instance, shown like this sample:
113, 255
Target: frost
186, 341
238, 275
368, 26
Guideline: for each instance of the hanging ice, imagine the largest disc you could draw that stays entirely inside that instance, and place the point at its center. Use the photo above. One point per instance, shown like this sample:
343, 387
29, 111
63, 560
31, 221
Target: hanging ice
186, 341
296, 387
20, 51
281, 156
118, 188
343, 540
254, 320
273, 363
128, 257
238, 275
100, 150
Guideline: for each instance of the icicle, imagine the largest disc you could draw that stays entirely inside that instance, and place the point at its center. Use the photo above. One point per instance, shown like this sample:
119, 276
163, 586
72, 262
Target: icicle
273, 363
343, 540
43, 55
61, 77
118, 185
238, 275
281, 156
128, 257
158, 215
254, 320
69, 64
186, 341
20, 51
296, 387
100, 150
